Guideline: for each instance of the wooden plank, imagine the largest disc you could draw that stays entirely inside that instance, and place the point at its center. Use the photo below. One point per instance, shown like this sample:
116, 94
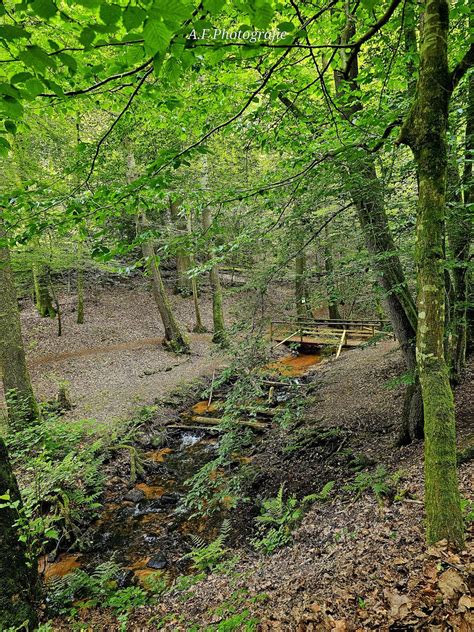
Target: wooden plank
215, 421
340, 344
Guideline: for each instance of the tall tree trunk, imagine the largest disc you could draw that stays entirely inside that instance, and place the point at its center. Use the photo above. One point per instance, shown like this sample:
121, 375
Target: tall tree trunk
198, 326
219, 335
80, 285
21, 402
301, 290
425, 132
183, 284
20, 586
333, 308
44, 301
366, 192
459, 229
174, 338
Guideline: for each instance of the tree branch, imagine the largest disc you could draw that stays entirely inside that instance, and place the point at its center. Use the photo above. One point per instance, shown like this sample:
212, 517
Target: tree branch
368, 35
462, 67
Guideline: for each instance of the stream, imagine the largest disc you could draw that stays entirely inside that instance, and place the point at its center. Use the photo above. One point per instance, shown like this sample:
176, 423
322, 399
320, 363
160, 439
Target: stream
147, 529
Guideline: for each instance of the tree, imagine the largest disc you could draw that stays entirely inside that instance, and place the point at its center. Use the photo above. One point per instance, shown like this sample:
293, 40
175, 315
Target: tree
20, 589
424, 131
21, 402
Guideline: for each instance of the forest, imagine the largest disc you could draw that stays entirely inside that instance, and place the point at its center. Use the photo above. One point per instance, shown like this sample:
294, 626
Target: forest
236, 315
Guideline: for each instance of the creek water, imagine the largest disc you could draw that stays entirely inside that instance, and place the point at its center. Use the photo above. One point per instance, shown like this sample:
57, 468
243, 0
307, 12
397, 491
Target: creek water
147, 529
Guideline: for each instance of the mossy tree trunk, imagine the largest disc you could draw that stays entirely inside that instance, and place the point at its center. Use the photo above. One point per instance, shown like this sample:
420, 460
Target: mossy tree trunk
80, 284
21, 402
333, 308
198, 326
183, 284
19, 583
43, 299
219, 336
301, 288
367, 194
459, 230
425, 132
174, 338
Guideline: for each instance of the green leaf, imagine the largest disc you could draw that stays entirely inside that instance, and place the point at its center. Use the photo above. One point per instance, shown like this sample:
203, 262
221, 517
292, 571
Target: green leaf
34, 87
287, 27
69, 61
156, 36
213, 6
58, 91
90, 4
110, 13
44, 8
9, 32
11, 107
87, 36
21, 77
6, 88
10, 127
133, 17
37, 58
263, 14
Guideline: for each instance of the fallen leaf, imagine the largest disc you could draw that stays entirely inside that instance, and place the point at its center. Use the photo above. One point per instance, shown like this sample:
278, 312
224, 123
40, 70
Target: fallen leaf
450, 583
399, 604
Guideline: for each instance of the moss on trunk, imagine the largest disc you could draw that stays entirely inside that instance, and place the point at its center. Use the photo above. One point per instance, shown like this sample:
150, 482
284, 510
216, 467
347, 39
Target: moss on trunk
425, 132
19, 578
219, 336
21, 402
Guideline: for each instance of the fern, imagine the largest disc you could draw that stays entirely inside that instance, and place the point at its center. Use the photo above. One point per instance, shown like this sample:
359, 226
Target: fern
206, 556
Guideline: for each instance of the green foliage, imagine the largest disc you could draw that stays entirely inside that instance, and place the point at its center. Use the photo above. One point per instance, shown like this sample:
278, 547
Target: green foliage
91, 589
207, 556
381, 483
279, 517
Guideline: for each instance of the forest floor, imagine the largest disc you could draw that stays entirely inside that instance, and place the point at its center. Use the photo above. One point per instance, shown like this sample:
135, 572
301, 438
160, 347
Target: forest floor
114, 362
357, 562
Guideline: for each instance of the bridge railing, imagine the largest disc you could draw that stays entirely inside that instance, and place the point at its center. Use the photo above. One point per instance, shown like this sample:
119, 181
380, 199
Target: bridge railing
333, 329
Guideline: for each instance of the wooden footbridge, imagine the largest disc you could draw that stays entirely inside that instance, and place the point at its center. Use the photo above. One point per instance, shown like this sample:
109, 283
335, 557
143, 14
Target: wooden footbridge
333, 333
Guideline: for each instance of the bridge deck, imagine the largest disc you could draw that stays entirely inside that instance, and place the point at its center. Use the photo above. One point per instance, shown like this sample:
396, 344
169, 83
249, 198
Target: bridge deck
326, 332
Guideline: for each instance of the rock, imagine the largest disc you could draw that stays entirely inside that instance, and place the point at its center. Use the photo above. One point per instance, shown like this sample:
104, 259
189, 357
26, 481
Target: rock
125, 512
151, 538
125, 578
145, 507
157, 562
134, 495
167, 500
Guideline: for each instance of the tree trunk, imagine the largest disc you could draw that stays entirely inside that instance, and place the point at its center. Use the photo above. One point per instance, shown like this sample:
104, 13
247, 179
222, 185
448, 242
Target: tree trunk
333, 308
198, 326
301, 292
21, 402
174, 339
366, 192
459, 229
20, 586
44, 301
425, 132
183, 284
219, 336
80, 286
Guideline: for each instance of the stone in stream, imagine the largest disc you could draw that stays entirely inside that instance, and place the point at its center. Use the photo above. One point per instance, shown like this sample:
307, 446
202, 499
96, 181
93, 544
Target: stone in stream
167, 500
157, 562
125, 578
134, 495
